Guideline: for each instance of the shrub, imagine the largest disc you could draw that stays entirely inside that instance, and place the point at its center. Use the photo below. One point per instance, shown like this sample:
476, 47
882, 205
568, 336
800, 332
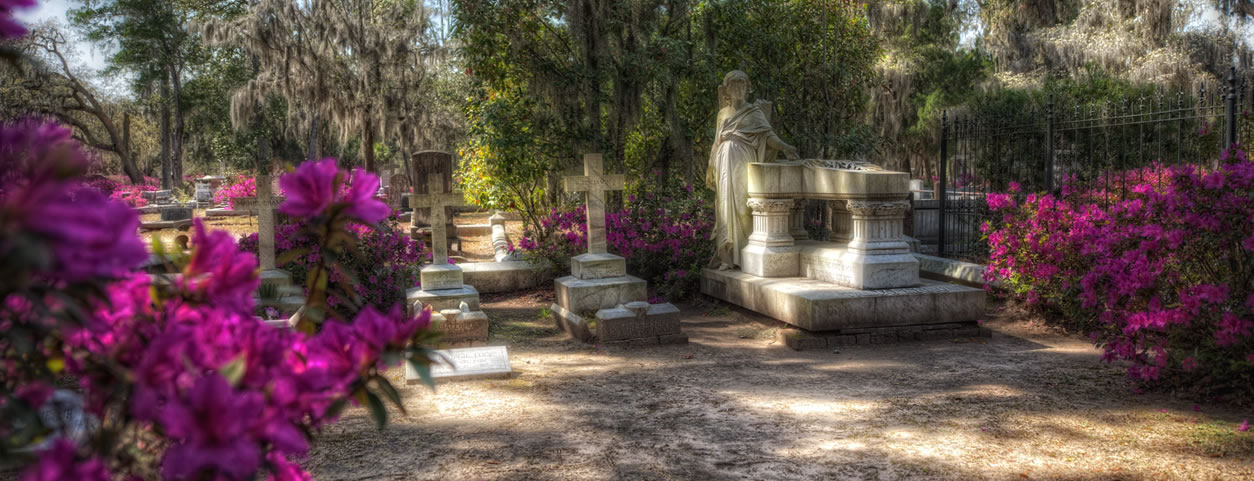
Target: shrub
1161, 275
188, 383
384, 261
663, 232
116, 188
241, 186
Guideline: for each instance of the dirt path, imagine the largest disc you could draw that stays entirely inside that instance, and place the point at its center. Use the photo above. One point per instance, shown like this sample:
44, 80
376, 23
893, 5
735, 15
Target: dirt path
735, 405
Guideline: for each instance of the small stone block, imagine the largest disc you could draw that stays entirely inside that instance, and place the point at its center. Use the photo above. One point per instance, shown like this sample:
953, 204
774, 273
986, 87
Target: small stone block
590, 295
798, 340
437, 277
469, 326
598, 266
986, 332
572, 323
176, 213
418, 298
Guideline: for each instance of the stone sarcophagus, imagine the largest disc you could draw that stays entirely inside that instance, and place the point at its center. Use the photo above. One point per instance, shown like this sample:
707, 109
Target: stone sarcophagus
869, 249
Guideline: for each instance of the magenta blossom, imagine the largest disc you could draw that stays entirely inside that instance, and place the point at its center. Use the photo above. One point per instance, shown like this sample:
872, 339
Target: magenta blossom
220, 270
9, 28
362, 203
211, 427
310, 190
61, 463
316, 186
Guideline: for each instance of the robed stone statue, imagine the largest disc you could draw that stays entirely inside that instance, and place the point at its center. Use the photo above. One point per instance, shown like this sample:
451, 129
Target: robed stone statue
743, 135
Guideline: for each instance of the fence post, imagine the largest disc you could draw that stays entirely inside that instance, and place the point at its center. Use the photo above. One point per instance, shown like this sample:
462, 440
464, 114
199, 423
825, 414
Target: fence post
1230, 110
1049, 146
940, 185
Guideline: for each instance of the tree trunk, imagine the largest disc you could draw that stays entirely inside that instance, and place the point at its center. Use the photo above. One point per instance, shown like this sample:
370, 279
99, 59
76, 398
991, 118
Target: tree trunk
315, 150
125, 155
367, 145
165, 133
176, 138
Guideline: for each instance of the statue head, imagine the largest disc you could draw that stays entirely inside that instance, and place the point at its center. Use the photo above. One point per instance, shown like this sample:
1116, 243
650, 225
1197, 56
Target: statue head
736, 85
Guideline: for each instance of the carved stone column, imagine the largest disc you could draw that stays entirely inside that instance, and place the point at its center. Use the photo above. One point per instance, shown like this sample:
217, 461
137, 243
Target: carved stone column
771, 251
797, 220
878, 256
841, 222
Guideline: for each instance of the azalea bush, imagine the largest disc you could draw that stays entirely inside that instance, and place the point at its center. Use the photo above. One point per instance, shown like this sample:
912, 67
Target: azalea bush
384, 260
116, 188
186, 383
240, 186
663, 231
1157, 265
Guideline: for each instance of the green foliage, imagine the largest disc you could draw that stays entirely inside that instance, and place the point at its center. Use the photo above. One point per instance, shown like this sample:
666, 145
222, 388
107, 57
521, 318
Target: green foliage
637, 81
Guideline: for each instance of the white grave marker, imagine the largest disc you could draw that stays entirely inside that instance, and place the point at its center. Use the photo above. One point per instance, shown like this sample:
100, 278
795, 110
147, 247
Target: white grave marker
491, 362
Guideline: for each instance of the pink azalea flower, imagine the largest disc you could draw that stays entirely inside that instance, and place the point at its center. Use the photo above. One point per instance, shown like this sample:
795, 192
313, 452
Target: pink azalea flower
211, 427
220, 270
9, 27
1245, 425
310, 190
361, 199
61, 463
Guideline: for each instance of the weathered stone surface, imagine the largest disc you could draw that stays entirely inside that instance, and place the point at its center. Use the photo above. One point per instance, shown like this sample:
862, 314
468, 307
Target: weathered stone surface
508, 276
574, 324
417, 298
441, 276
790, 180
489, 362
942, 269
797, 339
598, 266
763, 261
175, 213
468, 326
837, 264
591, 295
821, 306
620, 323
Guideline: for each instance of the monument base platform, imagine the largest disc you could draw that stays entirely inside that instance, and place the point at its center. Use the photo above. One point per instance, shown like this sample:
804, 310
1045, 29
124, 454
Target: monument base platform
800, 340
816, 305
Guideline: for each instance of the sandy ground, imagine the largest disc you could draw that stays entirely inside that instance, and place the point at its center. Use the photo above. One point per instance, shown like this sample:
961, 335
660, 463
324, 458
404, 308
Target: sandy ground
733, 404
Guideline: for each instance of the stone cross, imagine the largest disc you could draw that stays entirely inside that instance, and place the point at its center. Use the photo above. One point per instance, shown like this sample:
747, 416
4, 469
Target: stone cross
437, 202
265, 224
595, 183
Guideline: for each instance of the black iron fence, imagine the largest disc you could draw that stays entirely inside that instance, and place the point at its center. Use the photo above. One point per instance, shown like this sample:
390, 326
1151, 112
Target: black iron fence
1083, 144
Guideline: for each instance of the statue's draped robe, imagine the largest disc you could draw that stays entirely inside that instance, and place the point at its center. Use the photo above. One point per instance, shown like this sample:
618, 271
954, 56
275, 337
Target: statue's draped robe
741, 140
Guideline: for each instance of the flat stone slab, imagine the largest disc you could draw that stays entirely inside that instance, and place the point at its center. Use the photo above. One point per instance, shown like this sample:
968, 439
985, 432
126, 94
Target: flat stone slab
226, 213
574, 324
490, 362
822, 306
507, 276
183, 224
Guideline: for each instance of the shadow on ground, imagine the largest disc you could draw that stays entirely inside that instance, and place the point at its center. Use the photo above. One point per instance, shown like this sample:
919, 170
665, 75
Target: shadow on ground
735, 405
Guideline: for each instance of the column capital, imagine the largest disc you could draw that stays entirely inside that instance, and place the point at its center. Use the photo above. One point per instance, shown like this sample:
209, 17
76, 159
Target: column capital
774, 206
878, 208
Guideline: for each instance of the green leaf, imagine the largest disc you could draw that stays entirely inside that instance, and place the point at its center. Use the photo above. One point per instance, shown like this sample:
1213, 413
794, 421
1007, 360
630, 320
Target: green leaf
290, 255
234, 371
391, 393
424, 373
377, 410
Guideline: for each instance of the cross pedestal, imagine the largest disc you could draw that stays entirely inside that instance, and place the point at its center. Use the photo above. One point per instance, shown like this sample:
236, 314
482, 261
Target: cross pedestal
599, 288
443, 286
